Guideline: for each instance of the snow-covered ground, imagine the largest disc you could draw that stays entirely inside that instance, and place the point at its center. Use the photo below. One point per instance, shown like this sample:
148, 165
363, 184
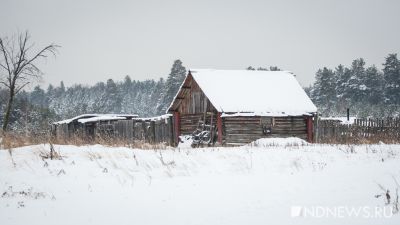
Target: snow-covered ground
269, 182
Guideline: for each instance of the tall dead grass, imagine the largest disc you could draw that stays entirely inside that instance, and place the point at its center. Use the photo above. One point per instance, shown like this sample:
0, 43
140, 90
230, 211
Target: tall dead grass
360, 140
11, 140
108, 141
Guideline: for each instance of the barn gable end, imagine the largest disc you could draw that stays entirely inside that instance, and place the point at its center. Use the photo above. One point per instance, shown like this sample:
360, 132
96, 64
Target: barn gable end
190, 107
191, 99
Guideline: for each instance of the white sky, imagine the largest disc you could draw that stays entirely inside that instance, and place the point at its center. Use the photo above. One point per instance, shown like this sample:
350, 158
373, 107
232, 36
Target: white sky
110, 39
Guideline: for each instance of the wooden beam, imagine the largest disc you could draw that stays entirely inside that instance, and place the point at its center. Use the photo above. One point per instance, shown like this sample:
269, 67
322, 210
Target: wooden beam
309, 129
186, 87
171, 131
219, 127
177, 127
315, 128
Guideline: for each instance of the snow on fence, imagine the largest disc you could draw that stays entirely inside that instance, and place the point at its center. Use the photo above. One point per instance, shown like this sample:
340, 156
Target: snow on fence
361, 130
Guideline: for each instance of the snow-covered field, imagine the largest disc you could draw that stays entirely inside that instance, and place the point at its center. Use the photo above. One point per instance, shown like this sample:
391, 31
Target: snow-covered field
270, 182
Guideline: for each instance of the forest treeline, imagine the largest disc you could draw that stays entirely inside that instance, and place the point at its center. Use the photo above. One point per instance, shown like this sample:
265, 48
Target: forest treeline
366, 90
34, 111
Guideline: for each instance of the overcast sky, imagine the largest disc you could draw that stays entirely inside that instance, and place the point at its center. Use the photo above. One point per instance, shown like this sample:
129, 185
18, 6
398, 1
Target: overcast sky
111, 39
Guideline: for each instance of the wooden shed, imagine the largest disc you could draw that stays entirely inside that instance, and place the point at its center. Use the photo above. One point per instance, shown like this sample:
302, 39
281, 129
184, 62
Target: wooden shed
243, 105
121, 127
88, 125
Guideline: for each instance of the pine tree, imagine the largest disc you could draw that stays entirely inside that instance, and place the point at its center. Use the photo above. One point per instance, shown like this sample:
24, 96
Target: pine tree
262, 68
62, 87
157, 94
356, 84
342, 75
127, 101
274, 68
50, 89
38, 97
175, 79
324, 90
391, 74
271, 68
374, 84
250, 68
111, 98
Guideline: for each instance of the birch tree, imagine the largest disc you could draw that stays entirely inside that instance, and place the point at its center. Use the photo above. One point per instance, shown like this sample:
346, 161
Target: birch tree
18, 66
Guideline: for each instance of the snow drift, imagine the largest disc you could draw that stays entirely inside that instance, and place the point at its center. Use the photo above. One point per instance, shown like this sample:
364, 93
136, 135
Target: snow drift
254, 184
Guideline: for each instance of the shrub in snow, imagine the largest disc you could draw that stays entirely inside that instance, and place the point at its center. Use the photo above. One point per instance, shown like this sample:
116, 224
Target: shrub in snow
52, 154
283, 142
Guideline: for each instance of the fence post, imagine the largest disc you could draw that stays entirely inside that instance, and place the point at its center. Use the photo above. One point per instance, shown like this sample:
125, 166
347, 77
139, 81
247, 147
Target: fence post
309, 129
177, 127
316, 128
171, 130
152, 131
145, 133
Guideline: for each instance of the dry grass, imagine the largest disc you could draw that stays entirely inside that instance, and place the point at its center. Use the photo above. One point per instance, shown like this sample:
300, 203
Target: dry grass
12, 140
360, 140
78, 140
109, 141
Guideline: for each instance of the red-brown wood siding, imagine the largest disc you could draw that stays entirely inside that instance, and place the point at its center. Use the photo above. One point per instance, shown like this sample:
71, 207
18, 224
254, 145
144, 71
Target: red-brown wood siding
219, 128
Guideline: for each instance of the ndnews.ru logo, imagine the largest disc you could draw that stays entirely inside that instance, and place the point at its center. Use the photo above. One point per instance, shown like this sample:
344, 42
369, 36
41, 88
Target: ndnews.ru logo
341, 211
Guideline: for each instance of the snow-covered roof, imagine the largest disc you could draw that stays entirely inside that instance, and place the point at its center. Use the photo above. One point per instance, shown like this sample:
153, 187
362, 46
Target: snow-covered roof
101, 118
275, 93
85, 118
342, 119
155, 118
75, 118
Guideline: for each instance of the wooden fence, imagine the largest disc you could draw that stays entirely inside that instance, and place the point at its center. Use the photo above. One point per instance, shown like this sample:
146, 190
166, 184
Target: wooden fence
151, 130
148, 130
361, 131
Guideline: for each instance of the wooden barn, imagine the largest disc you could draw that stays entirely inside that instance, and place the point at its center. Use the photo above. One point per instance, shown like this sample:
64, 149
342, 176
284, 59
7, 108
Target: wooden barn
240, 106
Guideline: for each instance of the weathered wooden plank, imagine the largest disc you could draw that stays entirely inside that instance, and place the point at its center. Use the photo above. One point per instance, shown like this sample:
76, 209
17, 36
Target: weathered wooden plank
242, 118
249, 128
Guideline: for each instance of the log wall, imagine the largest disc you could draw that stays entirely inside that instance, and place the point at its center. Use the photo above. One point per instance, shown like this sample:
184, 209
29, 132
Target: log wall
189, 122
243, 130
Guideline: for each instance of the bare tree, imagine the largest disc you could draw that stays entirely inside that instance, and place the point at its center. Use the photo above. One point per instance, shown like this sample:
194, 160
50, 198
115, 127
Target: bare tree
18, 66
